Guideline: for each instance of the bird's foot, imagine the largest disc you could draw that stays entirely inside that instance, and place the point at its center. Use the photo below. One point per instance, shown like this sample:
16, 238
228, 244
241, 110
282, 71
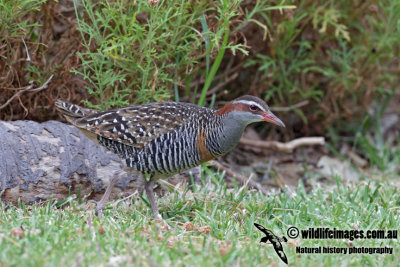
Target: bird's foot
158, 219
98, 211
158, 216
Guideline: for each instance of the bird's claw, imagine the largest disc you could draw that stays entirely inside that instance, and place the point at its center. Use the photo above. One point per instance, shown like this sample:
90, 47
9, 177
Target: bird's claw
159, 219
98, 211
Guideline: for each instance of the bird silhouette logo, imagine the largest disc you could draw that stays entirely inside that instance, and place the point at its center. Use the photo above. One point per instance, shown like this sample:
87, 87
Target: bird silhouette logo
275, 241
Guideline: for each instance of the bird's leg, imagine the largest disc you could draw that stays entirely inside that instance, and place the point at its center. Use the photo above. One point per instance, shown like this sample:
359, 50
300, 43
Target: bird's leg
102, 203
150, 195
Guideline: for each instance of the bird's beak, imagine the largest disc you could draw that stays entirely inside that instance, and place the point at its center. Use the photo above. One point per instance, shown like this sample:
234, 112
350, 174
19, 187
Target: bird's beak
270, 117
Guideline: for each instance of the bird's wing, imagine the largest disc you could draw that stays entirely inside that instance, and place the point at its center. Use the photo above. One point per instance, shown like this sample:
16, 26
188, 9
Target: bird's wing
267, 232
260, 227
279, 250
137, 126
274, 241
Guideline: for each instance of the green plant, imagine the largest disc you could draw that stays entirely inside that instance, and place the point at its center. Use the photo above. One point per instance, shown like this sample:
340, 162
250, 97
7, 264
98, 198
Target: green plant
367, 138
12, 14
135, 51
384, 154
335, 54
31, 53
16, 26
141, 51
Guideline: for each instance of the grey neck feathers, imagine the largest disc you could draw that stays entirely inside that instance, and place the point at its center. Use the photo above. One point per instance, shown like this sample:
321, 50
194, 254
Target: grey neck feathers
233, 125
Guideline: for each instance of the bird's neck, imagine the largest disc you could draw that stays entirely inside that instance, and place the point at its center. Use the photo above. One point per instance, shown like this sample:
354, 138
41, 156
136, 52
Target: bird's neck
227, 135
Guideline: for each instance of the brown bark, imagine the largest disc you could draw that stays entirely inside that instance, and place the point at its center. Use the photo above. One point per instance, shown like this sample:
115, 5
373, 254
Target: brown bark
46, 160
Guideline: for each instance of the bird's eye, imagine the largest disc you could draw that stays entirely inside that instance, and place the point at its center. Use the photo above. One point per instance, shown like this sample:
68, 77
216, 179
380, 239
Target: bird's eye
253, 108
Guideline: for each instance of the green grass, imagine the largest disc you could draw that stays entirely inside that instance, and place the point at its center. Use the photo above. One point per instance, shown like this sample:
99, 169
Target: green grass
127, 236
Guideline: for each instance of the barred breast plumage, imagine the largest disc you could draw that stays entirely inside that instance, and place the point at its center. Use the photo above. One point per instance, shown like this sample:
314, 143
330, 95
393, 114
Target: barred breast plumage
162, 139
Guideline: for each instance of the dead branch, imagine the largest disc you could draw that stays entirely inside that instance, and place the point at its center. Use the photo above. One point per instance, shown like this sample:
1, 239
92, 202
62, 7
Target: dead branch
221, 84
284, 147
28, 57
29, 88
241, 178
217, 77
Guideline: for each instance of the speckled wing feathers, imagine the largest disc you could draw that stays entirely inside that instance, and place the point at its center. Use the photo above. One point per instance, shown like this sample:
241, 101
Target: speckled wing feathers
137, 126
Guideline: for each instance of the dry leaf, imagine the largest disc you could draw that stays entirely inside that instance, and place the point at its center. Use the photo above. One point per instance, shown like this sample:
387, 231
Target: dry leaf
188, 226
224, 249
171, 241
17, 232
205, 229
101, 230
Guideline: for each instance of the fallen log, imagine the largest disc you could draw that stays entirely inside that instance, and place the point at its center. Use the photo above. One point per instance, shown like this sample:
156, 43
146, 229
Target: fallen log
46, 160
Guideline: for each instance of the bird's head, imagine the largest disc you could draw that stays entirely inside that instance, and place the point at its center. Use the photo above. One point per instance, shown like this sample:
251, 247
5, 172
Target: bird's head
248, 109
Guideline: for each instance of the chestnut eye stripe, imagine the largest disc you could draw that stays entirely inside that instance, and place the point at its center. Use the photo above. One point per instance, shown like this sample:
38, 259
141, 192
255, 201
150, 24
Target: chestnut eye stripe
250, 103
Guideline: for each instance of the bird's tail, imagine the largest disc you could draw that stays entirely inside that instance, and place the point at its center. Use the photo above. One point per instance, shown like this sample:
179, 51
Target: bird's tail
72, 111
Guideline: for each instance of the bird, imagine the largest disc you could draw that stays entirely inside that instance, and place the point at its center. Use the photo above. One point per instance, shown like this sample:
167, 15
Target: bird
275, 241
161, 139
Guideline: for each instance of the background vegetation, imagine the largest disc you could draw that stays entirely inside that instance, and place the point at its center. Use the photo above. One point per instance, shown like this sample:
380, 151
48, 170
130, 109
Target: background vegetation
333, 66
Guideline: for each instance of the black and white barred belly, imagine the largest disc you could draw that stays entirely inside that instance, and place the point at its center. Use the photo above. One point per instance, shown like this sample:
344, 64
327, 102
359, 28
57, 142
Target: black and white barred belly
166, 155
